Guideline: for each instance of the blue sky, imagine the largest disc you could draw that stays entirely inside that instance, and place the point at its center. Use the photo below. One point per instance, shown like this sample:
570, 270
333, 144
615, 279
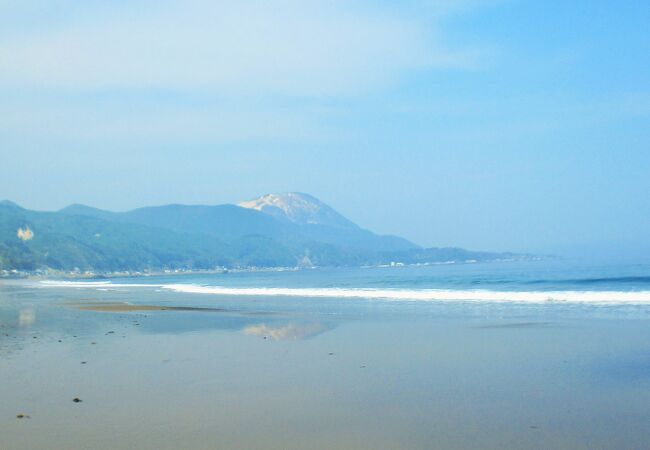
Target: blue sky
505, 125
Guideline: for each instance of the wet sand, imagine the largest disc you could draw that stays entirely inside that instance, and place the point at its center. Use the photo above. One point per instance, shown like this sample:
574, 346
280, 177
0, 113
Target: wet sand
158, 372
127, 307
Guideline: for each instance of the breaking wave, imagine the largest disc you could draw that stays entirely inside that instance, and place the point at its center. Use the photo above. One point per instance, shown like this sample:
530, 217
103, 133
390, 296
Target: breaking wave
432, 295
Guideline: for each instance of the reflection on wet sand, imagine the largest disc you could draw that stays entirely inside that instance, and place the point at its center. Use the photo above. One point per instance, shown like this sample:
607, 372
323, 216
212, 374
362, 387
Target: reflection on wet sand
26, 318
516, 325
285, 332
127, 307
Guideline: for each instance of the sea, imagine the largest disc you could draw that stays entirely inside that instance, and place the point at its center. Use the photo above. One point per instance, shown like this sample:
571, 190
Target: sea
550, 285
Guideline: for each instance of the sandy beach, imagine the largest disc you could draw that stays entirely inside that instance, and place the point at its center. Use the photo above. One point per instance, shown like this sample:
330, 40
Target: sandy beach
163, 370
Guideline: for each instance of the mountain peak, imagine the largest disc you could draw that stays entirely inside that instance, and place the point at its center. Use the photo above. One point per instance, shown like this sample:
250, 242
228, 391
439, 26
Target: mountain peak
298, 208
79, 209
9, 203
76, 206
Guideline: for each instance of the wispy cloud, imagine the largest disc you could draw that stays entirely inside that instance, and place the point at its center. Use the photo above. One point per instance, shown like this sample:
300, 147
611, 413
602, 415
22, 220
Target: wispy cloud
142, 121
290, 47
199, 71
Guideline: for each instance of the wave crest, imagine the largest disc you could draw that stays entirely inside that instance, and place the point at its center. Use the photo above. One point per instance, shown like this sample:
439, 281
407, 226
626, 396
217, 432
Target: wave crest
432, 295
448, 295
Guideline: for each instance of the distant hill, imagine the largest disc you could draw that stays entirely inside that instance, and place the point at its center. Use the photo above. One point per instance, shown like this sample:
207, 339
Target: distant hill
275, 230
293, 219
65, 242
227, 222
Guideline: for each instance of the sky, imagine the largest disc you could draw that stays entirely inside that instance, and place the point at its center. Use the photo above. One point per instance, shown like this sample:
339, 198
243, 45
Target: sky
492, 125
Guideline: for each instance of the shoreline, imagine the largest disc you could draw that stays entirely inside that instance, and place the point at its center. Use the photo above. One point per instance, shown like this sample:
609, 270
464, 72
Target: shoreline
57, 275
46, 274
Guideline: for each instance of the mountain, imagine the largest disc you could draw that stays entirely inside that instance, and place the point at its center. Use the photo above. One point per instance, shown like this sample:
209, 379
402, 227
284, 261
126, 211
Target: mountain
298, 208
9, 204
275, 230
227, 222
31, 240
293, 219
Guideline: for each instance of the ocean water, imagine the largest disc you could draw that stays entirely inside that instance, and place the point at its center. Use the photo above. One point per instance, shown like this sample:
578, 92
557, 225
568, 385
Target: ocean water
556, 283
540, 354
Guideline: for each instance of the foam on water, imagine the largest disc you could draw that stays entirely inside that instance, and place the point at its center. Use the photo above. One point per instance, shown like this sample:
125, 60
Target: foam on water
433, 295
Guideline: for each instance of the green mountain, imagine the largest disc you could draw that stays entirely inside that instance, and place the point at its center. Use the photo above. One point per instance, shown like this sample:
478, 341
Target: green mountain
279, 230
308, 222
65, 242
225, 222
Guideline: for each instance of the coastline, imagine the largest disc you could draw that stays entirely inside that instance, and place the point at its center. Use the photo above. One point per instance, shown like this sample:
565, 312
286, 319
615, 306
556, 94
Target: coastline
67, 275
45, 274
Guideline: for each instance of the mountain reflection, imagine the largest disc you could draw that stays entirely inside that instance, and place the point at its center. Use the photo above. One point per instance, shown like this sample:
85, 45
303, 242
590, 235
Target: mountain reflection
26, 318
289, 331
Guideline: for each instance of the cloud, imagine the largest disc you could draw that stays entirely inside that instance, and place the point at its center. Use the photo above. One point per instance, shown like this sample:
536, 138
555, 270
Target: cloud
209, 72
146, 121
286, 47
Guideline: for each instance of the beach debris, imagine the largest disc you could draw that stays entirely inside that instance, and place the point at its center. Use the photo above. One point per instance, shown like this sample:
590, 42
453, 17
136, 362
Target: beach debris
77, 400
22, 416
